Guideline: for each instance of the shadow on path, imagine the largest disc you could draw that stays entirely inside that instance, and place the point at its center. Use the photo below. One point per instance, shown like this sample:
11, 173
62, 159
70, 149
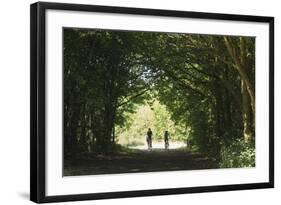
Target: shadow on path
139, 161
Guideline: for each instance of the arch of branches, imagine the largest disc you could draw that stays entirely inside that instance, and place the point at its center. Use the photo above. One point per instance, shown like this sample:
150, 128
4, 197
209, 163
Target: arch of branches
206, 81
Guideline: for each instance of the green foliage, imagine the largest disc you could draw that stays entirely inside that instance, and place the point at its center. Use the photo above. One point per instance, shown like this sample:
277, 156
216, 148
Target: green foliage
117, 84
238, 154
150, 115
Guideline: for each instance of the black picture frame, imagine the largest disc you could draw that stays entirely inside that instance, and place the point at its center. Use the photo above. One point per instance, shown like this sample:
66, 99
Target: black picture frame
38, 101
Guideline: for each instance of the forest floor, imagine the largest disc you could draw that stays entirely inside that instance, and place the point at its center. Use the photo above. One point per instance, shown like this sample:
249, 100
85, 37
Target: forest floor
139, 160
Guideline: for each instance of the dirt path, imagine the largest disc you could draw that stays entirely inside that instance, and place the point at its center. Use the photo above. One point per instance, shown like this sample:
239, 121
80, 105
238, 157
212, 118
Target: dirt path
160, 145
140, 161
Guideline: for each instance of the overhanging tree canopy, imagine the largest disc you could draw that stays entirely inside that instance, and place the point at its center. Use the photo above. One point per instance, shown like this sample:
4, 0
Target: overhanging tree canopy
205, 81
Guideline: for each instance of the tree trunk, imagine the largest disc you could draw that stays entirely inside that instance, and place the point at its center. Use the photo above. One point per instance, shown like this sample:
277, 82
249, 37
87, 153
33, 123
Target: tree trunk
247, 114
238, 52
239, 55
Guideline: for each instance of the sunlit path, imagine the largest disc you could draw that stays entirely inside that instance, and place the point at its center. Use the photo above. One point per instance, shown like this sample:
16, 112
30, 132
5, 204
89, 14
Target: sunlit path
160, 145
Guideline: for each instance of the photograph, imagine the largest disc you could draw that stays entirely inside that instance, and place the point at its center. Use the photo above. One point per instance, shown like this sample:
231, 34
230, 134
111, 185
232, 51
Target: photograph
134, 102
140, 102
150, 101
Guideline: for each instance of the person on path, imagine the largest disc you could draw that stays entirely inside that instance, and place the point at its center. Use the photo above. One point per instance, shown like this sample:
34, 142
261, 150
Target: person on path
166, 140
149, 139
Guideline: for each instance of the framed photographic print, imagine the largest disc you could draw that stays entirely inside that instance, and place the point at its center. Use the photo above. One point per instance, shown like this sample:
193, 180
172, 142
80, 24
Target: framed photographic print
129, 102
